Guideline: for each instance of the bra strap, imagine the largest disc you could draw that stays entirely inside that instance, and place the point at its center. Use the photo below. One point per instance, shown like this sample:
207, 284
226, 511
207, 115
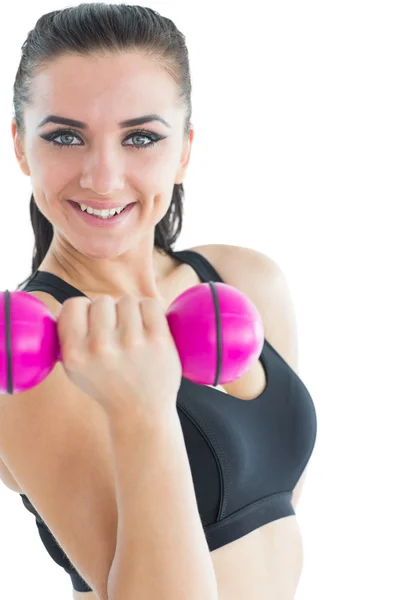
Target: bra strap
200, 264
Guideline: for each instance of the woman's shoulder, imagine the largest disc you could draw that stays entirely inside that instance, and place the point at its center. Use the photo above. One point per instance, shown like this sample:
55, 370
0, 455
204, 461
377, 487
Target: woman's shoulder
233, 262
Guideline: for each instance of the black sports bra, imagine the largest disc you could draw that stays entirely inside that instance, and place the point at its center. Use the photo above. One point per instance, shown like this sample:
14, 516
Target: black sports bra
245, 456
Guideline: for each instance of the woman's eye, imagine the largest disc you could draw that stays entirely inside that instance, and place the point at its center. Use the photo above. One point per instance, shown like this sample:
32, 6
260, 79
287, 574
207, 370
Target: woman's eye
64, 136
68, 135
141, 137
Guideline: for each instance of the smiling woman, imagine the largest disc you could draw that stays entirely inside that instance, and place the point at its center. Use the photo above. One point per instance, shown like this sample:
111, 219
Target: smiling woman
102, 168
199, 505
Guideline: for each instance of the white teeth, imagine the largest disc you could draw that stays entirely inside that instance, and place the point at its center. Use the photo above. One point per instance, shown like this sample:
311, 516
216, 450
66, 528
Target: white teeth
101, 213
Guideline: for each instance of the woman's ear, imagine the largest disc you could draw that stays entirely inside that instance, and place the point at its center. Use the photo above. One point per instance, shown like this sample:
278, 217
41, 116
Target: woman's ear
185, 157
19, 149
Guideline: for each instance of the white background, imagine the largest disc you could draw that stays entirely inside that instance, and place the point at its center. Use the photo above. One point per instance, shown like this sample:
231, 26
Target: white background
296, 154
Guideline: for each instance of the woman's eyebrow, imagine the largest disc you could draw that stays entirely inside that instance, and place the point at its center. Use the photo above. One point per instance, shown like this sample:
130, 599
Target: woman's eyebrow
81, 125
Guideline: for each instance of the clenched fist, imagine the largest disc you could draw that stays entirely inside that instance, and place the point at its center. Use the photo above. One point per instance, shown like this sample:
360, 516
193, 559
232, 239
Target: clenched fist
121, 353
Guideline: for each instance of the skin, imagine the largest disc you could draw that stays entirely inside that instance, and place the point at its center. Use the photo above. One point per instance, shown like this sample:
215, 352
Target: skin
104, 164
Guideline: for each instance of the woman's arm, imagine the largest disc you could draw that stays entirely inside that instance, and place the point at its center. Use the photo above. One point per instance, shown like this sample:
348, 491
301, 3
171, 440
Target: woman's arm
161, 550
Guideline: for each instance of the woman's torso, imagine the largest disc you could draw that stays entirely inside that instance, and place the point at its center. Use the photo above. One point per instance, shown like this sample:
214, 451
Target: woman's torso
263, 565
266, 563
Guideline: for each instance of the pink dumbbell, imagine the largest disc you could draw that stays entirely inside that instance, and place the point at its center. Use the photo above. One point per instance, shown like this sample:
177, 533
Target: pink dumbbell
217, 330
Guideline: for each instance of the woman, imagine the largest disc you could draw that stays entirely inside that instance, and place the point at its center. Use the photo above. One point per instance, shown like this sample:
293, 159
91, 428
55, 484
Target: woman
143, 484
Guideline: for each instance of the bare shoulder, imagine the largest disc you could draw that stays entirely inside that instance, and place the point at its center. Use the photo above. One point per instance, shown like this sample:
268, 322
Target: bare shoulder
240, 266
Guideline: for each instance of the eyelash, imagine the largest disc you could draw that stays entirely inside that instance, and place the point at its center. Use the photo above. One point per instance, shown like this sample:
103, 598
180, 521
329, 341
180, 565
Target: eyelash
59, 132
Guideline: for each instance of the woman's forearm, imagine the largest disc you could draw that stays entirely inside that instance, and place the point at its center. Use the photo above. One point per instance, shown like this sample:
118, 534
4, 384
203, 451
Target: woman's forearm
161, 550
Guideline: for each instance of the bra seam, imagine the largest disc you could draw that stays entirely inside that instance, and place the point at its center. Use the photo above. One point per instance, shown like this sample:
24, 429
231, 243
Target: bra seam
211, 439
220, 524
295, 379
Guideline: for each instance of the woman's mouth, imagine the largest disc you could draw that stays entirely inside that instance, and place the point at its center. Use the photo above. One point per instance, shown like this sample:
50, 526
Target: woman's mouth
104, 218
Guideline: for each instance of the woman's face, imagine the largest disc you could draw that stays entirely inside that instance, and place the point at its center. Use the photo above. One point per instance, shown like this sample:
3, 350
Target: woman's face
103, 160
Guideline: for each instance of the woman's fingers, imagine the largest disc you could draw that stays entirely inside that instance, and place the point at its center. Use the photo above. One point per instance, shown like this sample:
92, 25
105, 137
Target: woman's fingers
153, 317
129, 321
102, 324
73, 327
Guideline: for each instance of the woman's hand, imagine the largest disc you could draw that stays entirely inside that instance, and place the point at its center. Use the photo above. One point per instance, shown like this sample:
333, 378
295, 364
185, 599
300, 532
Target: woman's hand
121, 353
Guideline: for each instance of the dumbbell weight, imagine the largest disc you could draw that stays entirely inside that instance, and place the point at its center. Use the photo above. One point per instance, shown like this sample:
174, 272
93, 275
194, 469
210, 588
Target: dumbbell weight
217, 330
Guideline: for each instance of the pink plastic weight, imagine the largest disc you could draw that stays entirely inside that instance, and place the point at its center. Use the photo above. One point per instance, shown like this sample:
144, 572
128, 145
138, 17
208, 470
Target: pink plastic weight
218, 333
217, 330
29, 344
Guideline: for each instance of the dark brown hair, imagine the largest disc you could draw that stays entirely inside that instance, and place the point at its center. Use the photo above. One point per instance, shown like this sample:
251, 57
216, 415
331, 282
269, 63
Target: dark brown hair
89, 30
